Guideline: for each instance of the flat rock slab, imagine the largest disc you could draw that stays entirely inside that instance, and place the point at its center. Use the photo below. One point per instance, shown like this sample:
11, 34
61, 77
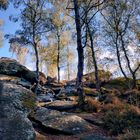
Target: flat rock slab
60, 121
61, 105
91, 118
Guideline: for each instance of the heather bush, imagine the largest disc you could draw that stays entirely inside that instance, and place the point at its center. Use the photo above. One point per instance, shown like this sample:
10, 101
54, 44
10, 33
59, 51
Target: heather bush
121, 117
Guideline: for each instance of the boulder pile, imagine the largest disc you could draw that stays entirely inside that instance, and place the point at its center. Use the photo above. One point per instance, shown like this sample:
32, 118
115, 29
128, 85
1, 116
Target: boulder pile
22, 111
16, 101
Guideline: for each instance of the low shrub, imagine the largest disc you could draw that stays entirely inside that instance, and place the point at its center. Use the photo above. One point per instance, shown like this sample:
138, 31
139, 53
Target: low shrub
109, 106
132, 97
121, 117
109, 95
92, 105
119, 83
130, 135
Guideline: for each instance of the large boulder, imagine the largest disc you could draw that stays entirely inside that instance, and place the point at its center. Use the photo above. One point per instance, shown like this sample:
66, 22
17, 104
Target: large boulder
12, 67
60, 121
16, 102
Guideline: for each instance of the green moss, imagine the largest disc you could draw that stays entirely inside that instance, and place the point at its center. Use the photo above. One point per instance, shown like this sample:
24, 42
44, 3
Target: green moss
29, 101
89, 91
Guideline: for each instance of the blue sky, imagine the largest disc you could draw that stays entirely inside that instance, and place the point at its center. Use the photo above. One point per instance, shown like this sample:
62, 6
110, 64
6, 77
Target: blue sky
8, 28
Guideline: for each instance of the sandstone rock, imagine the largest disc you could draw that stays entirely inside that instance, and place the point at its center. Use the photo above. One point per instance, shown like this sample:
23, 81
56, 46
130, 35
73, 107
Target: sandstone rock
67, 92
54, 85
12, 67
61, 105
15, 80
60, 121
44, 90
45, 97
16, 102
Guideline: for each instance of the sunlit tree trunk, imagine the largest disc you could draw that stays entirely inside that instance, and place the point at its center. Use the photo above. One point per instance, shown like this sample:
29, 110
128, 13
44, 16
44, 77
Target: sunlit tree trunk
98, 87
68, 64
58, 56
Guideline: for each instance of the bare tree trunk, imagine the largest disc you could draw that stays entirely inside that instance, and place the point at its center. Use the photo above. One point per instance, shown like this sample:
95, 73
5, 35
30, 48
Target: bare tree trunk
35, 45
98, 87
119, 62
37, 67
58, 56
80, 54
128, 63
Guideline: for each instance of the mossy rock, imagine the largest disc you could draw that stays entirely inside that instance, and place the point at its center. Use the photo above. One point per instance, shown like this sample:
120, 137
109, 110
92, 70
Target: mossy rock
29, 101
119, 83
16, 102
90, 92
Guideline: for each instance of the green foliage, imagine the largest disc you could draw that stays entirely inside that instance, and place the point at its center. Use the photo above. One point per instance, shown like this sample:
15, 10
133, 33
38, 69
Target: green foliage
123, 6
122, 117
3, 4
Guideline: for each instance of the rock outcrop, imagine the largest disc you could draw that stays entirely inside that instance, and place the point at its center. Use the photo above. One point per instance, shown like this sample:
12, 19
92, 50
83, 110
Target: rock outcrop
16, 102
19, 115
12, 68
